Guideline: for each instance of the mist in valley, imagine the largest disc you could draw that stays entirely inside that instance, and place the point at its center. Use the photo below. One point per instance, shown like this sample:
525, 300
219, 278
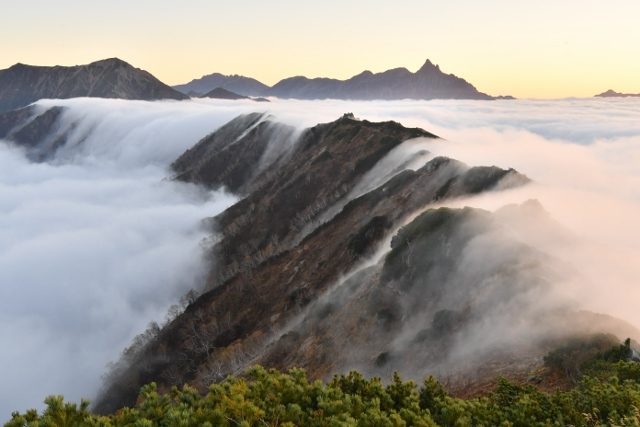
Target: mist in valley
98, 241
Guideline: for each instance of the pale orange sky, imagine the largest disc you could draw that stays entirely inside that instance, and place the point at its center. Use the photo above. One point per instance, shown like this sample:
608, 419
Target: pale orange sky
542, 49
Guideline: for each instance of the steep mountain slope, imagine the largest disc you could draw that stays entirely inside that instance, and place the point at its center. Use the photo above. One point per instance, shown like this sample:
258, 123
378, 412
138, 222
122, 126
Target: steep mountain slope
429, 82
38, 132
317, 205
234, 83
23, 84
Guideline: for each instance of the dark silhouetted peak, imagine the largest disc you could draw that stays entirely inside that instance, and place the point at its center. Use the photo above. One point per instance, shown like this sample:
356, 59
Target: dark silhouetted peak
18, 66
364, 74
222, 93
233, 83
22, 84
397, 83
428, 67
429, 82
113, 62
613, 94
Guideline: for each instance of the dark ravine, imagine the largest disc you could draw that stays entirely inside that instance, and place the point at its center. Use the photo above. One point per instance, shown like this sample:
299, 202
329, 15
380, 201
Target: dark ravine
266, 272
21, 84
429, 82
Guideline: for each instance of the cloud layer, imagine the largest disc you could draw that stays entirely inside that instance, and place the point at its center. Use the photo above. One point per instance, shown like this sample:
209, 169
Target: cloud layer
97, 243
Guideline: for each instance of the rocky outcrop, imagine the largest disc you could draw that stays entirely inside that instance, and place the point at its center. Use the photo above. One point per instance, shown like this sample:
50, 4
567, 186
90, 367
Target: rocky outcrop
285, 246
21, 84
429, 82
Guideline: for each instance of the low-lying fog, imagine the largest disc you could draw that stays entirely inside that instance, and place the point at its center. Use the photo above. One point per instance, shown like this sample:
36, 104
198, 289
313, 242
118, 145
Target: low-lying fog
97, 243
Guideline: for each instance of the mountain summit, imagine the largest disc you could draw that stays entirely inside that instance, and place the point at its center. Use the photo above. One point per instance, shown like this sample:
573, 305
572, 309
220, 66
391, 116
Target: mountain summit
429, 82
21, 84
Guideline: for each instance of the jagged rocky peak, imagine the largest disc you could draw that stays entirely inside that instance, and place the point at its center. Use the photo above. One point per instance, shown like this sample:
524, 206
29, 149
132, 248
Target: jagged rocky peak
241, 153
318, 203
428, 66
21, 84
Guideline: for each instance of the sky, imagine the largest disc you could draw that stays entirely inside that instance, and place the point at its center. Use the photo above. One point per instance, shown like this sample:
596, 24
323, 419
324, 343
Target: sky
542, 49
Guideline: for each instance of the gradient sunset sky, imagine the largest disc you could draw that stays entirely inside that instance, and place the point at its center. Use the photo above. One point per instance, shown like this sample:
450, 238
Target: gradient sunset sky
541, 49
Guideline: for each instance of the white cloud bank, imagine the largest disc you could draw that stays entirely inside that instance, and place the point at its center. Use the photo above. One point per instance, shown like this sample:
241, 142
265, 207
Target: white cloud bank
96, 244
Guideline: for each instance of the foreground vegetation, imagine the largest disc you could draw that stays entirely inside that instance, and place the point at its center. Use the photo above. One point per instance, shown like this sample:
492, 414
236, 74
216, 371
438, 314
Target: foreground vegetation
607, 393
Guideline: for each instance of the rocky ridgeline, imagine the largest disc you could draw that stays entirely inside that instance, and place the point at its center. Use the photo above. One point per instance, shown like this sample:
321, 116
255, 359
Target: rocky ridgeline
429, 82
278, 256
21, 84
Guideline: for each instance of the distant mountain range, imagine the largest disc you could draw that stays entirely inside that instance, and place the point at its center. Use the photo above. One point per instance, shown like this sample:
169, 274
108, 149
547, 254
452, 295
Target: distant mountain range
221, 93
613, 94
21, 84
429, 82
238, 84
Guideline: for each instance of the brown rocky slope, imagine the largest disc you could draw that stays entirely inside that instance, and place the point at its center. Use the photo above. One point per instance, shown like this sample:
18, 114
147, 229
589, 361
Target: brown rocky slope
319, 266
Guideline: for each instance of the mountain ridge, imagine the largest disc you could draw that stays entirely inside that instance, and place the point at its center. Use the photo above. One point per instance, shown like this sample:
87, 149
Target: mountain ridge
428, 82
21, 84
304, 222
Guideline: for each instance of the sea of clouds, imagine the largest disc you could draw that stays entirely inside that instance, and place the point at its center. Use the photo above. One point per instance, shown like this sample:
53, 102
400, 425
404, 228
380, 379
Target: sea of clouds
97, 242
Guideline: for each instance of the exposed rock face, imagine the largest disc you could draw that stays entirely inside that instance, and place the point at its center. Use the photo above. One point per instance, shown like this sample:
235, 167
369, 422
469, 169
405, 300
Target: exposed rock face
21, 84
285, 245
613, 94
233, 83
429, 82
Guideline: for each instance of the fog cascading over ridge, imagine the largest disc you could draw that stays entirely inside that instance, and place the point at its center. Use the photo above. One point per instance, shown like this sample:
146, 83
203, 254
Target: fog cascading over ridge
98, 244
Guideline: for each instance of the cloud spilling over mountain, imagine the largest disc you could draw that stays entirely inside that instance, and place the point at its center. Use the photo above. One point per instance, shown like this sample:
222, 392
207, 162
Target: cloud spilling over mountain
353, 234
21, 84
429, 82
95, 244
